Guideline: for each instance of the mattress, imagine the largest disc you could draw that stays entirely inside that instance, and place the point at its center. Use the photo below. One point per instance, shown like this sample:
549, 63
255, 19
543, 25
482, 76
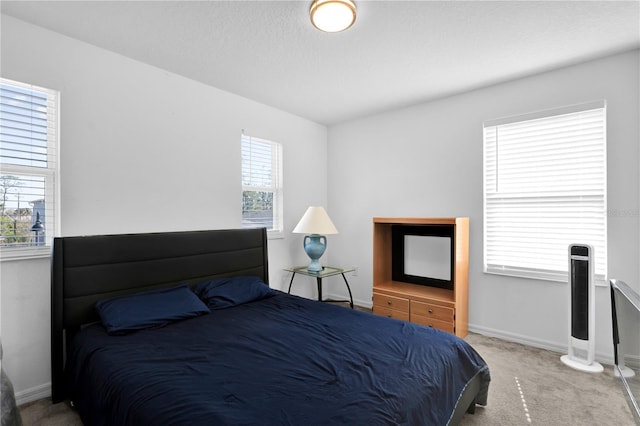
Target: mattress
283, 360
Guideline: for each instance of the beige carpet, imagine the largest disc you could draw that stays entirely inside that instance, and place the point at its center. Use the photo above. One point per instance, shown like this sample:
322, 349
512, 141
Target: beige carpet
529, 386
532, 386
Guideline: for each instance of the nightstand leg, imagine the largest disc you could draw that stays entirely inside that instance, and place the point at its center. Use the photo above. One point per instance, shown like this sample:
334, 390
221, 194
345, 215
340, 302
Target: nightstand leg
293, 274
348, 288
319, 282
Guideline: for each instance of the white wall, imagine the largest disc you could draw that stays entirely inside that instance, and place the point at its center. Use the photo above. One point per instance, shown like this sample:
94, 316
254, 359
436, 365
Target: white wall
427, 161
142, 150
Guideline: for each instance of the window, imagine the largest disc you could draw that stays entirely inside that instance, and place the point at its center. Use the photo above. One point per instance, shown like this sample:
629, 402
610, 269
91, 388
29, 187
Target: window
544, 189
28, 169
261, 184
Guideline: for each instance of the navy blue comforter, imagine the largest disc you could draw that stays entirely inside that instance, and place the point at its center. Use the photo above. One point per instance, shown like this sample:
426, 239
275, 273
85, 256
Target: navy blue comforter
283, 360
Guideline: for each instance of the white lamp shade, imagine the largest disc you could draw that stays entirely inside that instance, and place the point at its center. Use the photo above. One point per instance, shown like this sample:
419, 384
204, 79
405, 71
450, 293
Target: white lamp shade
315, 221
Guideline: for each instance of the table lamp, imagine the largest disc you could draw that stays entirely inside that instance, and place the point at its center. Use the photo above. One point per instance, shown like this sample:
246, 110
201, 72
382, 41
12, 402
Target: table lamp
315, 222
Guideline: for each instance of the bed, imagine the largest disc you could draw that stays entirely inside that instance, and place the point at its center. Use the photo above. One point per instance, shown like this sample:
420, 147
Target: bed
274, 358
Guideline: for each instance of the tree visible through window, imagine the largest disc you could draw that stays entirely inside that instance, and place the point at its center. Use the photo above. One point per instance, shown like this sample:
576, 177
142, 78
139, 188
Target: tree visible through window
261, 184
28, 154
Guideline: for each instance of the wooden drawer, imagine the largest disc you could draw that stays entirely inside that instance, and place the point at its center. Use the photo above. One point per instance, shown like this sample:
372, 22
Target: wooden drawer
390, 313
434, 323
397, 303
428, 310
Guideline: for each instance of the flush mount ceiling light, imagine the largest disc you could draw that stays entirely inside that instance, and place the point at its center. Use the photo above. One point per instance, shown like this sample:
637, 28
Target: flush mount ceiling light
332, 16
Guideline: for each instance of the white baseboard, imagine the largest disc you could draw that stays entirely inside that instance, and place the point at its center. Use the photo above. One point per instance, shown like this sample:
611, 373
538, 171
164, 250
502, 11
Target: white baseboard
632, 361
560, 348
33, 394
365, 304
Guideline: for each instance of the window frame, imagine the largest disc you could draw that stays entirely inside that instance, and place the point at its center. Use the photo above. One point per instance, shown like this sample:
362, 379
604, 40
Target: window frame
539, 196
276, 187
50, 174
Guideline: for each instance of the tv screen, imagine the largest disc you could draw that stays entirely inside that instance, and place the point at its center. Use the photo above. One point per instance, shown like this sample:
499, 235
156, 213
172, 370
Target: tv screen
423, 254
427, 256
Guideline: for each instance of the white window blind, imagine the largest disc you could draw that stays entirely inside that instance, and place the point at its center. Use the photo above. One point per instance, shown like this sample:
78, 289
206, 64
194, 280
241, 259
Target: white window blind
261, 184
544, 189
28, 168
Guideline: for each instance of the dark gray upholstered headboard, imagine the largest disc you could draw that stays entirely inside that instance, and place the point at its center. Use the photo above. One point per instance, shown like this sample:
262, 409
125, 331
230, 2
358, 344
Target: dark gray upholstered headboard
87, 269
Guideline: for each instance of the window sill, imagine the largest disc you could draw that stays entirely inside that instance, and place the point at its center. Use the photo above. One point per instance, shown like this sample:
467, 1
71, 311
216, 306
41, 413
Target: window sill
24, 253
275, 235
541, 275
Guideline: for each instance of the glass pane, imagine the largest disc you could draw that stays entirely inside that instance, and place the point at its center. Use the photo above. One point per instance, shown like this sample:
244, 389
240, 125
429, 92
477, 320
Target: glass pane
257, 209
22, 210
545, 188
626, 338
23, 126
257, 163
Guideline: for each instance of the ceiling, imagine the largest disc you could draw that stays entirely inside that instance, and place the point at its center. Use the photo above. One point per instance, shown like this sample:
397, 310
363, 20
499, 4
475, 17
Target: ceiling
398, 53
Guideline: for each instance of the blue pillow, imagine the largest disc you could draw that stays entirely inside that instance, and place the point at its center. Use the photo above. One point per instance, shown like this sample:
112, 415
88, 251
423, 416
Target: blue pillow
227, 292
150, 309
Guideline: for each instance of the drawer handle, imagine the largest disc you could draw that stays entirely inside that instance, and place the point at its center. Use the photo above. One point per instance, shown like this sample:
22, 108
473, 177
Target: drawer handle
431, 325
389, 302
389, 316
430, 311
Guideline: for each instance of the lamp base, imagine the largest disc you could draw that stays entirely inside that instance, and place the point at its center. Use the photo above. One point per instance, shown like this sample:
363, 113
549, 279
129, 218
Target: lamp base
315, 246
314, 266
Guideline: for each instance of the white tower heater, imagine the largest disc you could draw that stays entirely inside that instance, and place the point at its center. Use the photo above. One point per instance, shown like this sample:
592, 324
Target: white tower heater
582, 343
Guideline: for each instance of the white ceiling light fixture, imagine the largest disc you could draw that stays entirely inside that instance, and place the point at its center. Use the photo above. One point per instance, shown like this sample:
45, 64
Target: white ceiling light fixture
332, 16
